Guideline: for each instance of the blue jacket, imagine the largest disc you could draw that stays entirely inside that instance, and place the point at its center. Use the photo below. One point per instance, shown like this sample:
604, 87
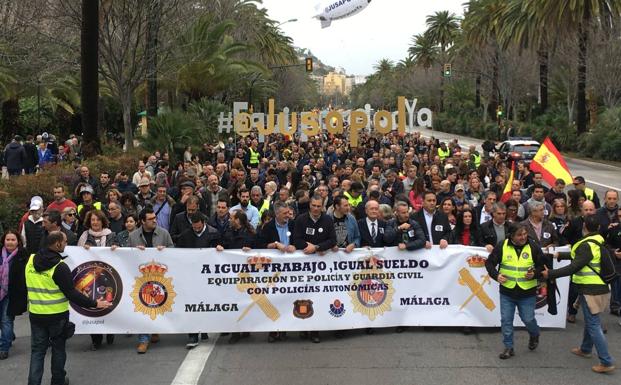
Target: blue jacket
45, 157
353, 232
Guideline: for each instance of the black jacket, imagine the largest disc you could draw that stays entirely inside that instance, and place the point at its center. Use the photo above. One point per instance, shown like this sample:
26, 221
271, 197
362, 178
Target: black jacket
14, 156
180, 223
414, 238
32, 155
237, 239
475, 236
488, 234
269, 234
320, 233
385, 234
45, 260
18, 303
189, 239
440, 226
495, 258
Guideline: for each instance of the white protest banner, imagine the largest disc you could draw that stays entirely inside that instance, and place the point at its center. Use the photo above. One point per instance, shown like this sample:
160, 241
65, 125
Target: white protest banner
192, 290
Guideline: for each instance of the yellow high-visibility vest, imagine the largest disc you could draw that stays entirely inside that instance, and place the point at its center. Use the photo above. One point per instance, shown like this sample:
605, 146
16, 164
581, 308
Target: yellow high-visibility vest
44, 295
514, 267
443, 154
586, 275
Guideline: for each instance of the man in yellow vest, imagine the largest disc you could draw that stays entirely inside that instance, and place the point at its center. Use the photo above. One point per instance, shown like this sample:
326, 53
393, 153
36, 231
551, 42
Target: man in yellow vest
516, 263
443, 152
87, 194
253, 156
593, 292
580, 184
50, 290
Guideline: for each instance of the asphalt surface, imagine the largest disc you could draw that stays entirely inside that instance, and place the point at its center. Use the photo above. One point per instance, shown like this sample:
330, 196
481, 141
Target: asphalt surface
440, 356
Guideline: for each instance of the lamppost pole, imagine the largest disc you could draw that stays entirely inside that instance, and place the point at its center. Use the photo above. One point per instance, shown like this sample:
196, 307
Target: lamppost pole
38, 106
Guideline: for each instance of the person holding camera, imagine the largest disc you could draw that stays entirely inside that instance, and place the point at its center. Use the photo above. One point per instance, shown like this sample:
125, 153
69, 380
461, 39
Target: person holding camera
50, 290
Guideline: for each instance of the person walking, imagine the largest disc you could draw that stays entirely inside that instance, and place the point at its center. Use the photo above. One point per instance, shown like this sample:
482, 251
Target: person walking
12, 257
520, 261
593, 292
50, 290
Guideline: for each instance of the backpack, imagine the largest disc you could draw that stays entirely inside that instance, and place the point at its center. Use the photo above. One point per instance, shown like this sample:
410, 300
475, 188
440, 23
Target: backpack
607, 272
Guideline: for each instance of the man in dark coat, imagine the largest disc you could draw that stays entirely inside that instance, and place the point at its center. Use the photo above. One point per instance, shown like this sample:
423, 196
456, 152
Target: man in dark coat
435, 223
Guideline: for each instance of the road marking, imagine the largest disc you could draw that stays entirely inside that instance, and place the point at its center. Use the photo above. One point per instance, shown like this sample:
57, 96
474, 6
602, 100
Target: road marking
603, 185
192, 366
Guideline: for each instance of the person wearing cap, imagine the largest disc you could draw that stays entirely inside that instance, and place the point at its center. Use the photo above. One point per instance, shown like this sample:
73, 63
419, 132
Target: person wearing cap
460, 196
591, 195
516, 263
15, 156
87, 198
145, 194
32, 231
186, 190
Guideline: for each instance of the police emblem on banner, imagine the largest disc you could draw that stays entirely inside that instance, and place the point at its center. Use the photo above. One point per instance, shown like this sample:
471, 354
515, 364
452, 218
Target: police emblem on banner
98, 281
303, 308
153, 293
373, 292
337, 308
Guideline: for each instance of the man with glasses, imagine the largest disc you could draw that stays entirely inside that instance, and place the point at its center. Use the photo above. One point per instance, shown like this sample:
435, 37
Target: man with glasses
116, 217
149, 235
580, 184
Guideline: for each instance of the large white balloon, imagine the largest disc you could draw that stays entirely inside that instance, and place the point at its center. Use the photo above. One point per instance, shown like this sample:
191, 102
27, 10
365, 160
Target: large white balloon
339, 9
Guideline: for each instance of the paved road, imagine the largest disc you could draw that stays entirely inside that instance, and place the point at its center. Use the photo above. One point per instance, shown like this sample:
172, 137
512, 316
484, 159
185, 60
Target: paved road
441, 356
599, 176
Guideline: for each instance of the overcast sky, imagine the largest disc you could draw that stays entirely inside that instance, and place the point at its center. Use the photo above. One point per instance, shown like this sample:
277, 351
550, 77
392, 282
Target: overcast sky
383, 30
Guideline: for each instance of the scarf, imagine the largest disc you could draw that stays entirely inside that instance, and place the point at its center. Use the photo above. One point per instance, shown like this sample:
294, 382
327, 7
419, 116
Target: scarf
4, 271
100, 237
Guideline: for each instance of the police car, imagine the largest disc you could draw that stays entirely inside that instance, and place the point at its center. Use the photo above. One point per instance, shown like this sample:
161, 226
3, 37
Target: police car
519, 148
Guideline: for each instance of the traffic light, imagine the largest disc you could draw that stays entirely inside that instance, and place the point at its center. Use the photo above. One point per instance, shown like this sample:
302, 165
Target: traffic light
309, 64
499, 111
447, 70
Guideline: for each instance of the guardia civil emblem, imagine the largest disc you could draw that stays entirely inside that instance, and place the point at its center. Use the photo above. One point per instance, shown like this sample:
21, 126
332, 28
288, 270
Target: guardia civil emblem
373, 292
153, 293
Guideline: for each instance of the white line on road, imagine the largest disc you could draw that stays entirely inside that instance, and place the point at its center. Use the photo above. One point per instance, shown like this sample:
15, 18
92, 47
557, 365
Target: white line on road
603, 185
192, 366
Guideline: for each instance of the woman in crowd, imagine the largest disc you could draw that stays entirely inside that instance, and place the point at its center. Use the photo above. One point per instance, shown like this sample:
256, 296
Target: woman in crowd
129, 203
131, 224
512, 211
574, 205
447, 206
558, 217
12, 261
97, 234
417, 193
466, 231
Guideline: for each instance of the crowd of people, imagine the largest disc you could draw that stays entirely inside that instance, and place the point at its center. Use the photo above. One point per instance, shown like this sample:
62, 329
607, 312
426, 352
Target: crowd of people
316, 196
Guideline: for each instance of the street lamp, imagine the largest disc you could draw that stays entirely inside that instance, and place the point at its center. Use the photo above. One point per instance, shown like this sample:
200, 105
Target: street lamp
285, 22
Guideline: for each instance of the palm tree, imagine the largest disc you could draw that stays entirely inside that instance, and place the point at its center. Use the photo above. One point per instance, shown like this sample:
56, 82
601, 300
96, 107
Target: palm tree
442, 28
481, 29
575, 17
423, 50
90, 76
520, 27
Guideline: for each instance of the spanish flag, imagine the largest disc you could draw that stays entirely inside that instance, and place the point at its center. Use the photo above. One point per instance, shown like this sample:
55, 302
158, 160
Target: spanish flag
551, 164
506, 194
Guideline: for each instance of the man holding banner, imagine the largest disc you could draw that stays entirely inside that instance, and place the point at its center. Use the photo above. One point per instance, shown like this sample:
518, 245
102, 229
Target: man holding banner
520, 261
